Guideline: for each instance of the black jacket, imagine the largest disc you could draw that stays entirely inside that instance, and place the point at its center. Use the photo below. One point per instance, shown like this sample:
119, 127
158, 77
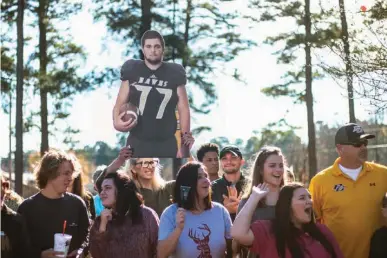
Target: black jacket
219, 188
14, 236
378, 247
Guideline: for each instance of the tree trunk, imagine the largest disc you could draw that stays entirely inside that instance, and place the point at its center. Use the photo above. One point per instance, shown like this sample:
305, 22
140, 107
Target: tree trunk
19, 165
43, 20
174, 30
146, 19
178, 162
10, 136
186, 32
309, 94
376, 142
348, 63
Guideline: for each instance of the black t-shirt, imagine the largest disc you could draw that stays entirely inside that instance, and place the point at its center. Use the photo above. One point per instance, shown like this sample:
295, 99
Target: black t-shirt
155, 94
45, 217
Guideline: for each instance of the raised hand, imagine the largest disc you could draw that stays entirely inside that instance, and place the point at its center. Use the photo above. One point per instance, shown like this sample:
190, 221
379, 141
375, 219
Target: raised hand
180, 218
231, 201
125, 153
261, 190
106, 215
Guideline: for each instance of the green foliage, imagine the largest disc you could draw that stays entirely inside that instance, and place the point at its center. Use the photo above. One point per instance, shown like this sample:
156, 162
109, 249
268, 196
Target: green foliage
379, 11
8, 68
8, 11
293, 43
62, 80
200, 129
368, 57
101, 153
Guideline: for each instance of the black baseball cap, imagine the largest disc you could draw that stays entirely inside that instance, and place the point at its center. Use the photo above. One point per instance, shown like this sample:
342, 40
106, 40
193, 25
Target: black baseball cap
351, 133
230, 149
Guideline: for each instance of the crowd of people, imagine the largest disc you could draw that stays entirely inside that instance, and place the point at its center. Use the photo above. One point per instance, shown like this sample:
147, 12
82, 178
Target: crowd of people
212, 209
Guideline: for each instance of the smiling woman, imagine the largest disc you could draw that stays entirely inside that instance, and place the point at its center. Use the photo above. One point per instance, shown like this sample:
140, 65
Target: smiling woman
194, 226
268, 167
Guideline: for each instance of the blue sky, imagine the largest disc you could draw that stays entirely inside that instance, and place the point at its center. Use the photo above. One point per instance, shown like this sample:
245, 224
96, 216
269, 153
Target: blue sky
240, 109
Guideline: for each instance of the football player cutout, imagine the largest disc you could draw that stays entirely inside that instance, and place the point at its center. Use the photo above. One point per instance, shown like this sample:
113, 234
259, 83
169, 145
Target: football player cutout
150, 92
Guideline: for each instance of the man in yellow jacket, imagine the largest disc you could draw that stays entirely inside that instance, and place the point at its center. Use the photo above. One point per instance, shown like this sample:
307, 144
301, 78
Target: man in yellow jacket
347, 197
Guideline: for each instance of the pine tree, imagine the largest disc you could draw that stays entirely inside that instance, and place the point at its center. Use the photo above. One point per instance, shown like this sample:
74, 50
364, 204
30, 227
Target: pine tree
297, 43
59, 59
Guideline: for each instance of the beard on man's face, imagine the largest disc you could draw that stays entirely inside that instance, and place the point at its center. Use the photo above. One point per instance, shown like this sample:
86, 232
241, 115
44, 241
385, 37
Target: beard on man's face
231, 170
154, 62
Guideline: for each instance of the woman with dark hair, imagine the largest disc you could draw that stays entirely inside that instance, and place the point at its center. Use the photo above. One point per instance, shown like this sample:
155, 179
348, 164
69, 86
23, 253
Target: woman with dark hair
268, 167
77, 187
194, 226
292, 233
126, 227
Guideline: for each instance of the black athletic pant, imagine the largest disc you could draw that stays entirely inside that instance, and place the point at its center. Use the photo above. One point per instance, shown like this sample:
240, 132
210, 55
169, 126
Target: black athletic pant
153, 149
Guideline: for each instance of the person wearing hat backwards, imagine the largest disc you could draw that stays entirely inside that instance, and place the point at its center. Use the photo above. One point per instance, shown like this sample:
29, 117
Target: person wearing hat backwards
347, 197
227, 190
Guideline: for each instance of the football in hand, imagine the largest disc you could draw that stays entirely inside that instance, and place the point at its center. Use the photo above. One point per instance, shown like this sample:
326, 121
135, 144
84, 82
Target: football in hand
131, 112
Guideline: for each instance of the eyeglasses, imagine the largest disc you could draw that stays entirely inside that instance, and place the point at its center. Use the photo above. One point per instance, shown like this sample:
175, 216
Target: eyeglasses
146, 164
357, 144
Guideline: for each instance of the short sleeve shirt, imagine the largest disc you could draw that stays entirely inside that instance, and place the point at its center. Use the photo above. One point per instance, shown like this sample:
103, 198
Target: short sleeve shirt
204, 235
264, 242
154, 92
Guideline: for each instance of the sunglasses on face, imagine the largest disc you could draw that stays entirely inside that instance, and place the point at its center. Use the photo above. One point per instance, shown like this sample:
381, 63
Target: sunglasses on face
146, 164
357, 144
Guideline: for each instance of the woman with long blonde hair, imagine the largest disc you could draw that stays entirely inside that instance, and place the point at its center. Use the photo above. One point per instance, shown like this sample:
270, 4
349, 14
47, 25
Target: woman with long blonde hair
157, 193
145, 172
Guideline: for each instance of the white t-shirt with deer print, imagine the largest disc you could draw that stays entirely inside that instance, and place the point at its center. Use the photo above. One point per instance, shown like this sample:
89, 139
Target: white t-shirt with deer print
204, 235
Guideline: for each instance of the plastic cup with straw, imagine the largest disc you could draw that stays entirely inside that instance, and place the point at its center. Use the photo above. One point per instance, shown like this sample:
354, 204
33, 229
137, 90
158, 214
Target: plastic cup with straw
62, 241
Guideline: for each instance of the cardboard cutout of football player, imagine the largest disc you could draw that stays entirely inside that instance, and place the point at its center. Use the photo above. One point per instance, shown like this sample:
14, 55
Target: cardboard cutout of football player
150, 92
